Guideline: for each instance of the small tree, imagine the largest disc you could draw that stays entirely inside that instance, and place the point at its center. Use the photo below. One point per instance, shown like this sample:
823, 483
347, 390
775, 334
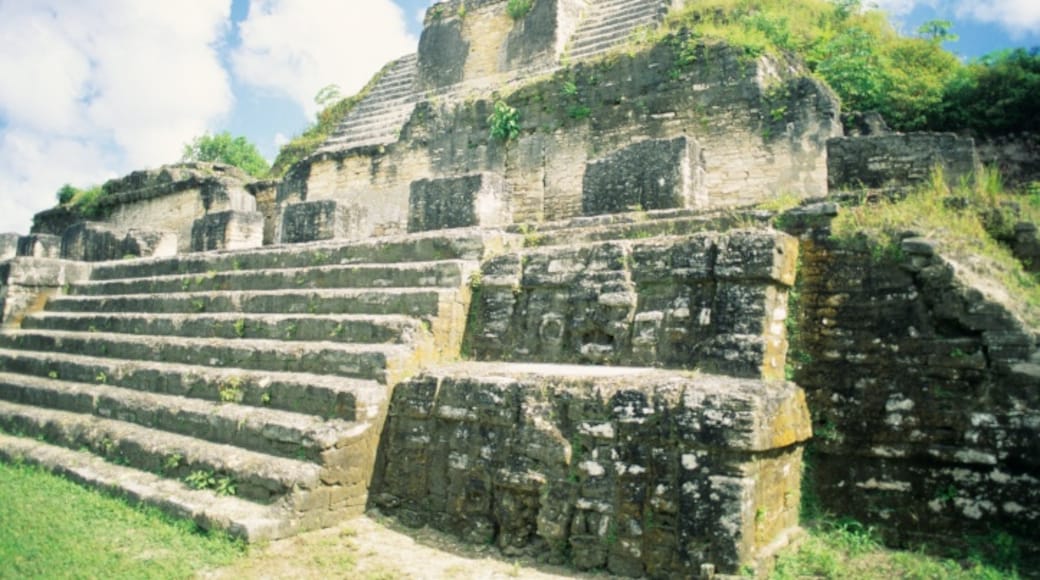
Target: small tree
223, 148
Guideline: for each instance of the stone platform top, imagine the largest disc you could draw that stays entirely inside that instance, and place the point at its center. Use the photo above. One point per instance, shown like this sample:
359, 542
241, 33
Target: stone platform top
746, 414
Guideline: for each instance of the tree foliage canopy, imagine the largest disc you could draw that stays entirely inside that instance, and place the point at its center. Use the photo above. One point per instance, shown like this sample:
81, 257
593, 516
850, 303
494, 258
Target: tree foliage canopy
223, 148
911, 80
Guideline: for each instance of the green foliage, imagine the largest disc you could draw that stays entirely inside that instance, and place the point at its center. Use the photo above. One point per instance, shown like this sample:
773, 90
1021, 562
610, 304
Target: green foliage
997, 94
51, 528
579, 112
223, 148
856, 51
517, 9
328, 96
66, 193
333, 113
230, 389
81, 200
847, 549
202, 479
504, 122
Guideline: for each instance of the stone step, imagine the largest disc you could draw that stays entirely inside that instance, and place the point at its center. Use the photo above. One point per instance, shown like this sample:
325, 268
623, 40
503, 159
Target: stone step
447, 273
463, 244
620, 13
383, 362
256, 476
242, 519
336, 328
269, 431
326, 396
615, 30
378, 120
611, 23
401, 98
639, 225
421, 302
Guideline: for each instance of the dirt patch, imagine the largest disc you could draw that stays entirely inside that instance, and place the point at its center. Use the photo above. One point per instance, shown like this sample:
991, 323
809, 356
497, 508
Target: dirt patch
377, 548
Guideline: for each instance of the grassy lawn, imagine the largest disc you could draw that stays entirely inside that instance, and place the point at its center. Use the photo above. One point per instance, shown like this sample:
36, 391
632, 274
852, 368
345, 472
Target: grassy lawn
53, 528
848, 550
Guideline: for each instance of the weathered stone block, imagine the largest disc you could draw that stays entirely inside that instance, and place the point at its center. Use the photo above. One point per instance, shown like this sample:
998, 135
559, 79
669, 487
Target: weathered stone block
95, 242
39, 246
311, 221
8, 246
442, 53
652, 174
611, 466
900, 159
541, 36
26, 283
471, 200
228, 230
716, 301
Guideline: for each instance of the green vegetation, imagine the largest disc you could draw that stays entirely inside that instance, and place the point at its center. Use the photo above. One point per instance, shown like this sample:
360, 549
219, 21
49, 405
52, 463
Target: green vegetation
202, 479
231, 389
504, 122
969, 220
997, 94
55, 528
847, 549
333, 113
912, 81
82, 200
517, 9
223, 148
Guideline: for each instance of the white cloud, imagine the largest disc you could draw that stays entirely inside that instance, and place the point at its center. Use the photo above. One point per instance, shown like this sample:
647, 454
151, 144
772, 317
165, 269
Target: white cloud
296, 47
96, 88
1020, 17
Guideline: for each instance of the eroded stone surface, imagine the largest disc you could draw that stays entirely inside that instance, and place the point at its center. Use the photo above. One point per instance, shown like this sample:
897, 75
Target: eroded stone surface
312, 221
228, 230
924, 393
900, 159
632, 470
8, 246
99, 242
712, 301
458, 202
652, 174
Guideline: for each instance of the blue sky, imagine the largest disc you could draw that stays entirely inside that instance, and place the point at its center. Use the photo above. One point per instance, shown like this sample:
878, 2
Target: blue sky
94, 89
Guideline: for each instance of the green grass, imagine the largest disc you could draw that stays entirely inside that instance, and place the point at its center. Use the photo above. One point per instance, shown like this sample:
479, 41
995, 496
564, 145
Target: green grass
967, 220
53, 528
847, 549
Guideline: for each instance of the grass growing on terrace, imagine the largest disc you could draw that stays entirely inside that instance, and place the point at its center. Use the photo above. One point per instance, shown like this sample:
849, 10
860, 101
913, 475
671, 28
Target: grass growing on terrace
968, 220
53, 528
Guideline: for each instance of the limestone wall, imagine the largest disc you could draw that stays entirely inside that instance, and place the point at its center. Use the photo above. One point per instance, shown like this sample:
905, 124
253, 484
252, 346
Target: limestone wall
761, 127
899, 159
641, 472
716, 302
923, 388
1017, 156
171, 199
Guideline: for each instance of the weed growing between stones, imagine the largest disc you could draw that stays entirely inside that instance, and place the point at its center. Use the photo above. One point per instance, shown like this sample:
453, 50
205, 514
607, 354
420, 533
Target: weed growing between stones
518, 9
504, 122
208, 480
231, 389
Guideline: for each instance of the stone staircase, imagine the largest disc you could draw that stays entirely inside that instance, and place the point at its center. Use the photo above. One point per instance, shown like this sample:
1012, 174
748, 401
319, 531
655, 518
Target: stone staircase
244, 390
611, 22
378, 118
